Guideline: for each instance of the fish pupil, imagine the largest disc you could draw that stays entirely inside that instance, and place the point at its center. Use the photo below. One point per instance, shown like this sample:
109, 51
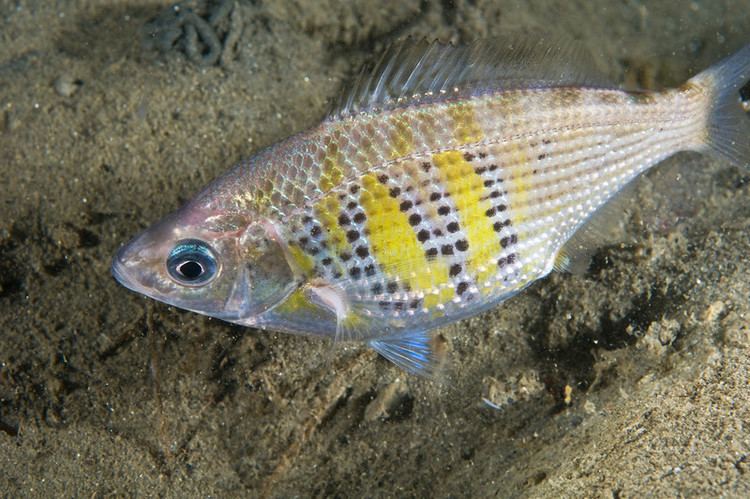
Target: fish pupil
190, 270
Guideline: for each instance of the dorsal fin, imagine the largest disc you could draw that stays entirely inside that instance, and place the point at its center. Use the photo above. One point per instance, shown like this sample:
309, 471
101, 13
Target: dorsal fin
420, 71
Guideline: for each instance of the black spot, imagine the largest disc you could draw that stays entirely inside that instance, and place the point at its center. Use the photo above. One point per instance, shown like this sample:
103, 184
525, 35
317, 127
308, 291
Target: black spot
351, 205
513, 239
501, 207
352, 235
444, 210
431, 252
546, 141
501, 262
435, 196
468, 156
395, 192
392, 287
452, 227
462, 287
307, 219
462, 245
344, 219
504, 242
345, 257
370, 270
446, 249
383, 178
480, 170
384, 304
493, 168
482, 155
376, 288
423, 235
426, 166
313, 250
437, 232
354, 189
495, 194
315, 231
490, 212
359, 217
488, 183
541, 157
498, 226
326, 261
405, 205
355, 272
414, 304
454, 270
511, 258
362, 251
415, 219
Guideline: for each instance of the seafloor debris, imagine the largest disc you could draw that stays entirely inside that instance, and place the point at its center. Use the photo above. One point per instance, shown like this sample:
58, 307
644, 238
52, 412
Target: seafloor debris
207, 32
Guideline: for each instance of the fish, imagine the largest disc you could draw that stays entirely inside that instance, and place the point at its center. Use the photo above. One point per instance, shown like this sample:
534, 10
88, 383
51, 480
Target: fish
445, 181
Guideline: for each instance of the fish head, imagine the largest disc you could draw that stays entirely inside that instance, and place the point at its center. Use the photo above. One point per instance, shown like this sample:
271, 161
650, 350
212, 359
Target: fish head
220, 264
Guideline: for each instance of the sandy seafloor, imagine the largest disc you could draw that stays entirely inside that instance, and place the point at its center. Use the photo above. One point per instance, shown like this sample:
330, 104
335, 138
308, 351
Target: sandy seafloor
105, 393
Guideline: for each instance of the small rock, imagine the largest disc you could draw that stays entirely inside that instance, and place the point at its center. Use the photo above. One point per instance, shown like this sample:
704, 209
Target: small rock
714, 311
522, 386
66, 85
661, 333
64, 237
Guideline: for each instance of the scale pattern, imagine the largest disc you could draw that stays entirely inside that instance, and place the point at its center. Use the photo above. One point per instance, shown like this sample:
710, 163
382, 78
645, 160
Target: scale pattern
434, 211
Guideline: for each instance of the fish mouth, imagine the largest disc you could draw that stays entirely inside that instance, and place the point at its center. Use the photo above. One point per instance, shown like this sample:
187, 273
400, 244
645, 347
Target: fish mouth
120, 272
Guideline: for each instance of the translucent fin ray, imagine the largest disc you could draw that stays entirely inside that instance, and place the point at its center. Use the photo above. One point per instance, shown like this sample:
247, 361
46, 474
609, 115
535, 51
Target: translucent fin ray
420, 71
575, 255
729, 116
413, 352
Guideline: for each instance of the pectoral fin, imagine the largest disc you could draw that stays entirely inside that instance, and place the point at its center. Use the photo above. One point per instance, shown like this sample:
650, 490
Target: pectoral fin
352, 322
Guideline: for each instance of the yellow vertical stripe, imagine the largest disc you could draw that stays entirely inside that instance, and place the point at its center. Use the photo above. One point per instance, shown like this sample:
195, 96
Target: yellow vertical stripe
395, 246
327, 212
519, 184
467, 188
304, 262
466, 129
401, 137
332, 172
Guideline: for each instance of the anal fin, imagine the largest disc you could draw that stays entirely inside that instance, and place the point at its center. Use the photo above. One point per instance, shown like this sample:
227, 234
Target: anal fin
416, 352
598, 230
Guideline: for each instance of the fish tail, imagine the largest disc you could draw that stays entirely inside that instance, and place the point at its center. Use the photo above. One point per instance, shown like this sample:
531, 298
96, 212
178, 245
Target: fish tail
729, 112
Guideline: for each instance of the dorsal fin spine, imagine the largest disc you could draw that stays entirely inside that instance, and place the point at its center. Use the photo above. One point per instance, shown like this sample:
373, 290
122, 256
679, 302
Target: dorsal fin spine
412, 72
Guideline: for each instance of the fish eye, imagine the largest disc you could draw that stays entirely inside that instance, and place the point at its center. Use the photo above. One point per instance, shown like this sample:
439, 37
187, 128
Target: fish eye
192, 263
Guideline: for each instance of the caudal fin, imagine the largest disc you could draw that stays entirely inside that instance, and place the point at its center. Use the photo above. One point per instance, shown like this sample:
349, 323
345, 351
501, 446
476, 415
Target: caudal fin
729, 116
